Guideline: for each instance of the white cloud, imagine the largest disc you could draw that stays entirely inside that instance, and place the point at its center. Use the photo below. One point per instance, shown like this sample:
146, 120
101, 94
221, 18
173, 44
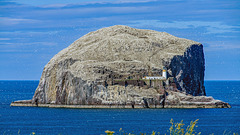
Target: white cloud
12, 21
221, 45
27, 33
13, 50
211, 27
63, 3
28, 44
4, 39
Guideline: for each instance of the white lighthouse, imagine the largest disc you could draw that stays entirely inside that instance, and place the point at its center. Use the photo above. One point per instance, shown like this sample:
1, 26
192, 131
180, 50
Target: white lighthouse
164, 73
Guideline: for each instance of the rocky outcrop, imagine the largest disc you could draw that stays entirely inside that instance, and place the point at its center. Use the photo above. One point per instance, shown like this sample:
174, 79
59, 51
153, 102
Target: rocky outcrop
85, 72
183, 100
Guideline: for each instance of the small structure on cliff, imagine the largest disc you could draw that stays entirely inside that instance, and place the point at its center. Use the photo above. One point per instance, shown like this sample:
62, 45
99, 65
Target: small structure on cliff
136, 79
163, 77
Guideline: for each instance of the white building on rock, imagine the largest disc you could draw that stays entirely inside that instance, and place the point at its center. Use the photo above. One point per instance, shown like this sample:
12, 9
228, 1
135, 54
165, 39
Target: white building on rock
164, 76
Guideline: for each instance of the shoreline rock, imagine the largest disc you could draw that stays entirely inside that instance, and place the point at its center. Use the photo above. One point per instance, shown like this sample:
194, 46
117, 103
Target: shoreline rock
183, 106
175, 99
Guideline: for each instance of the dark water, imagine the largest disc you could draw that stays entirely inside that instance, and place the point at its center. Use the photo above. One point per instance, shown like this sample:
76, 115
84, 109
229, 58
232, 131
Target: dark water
96, 121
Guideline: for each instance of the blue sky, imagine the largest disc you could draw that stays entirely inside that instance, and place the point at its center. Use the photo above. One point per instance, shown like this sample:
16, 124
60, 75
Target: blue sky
33, 31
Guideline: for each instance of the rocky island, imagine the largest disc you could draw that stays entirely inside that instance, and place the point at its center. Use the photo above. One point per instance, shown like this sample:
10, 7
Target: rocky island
124, 67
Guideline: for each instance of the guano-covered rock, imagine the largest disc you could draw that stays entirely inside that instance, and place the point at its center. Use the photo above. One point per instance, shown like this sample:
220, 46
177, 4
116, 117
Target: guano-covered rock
111, 66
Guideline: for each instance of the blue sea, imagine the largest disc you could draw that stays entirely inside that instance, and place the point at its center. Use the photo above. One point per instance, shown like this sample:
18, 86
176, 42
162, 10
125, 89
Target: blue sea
54, 121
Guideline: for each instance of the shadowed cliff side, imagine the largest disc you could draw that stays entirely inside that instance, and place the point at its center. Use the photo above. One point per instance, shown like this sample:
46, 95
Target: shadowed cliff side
188, 70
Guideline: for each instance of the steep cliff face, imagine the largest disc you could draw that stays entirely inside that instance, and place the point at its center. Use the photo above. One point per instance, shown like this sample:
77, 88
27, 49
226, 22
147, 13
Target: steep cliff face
80, 73
188, 70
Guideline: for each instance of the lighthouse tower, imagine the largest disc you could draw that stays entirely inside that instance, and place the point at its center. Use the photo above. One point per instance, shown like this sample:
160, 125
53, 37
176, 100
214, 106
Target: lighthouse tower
164, 73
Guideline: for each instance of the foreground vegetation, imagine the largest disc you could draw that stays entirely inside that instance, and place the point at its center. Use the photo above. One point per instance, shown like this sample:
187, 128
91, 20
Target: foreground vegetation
175, 129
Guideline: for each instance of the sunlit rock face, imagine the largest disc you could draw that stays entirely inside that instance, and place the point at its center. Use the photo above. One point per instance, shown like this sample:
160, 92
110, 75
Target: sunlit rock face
79, 73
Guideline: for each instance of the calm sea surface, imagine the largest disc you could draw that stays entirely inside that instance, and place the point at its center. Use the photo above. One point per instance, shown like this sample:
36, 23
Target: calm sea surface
96, 121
